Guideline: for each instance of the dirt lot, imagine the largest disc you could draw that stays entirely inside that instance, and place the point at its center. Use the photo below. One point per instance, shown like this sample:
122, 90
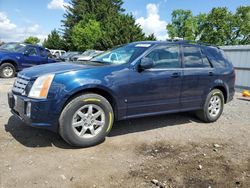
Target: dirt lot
174, 150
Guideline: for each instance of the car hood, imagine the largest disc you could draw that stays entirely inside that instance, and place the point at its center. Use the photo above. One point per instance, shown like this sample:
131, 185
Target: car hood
56, 68
4, 52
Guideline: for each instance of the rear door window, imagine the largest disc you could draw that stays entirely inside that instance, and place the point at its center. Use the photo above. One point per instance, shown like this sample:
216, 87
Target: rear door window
193, 58
43, 52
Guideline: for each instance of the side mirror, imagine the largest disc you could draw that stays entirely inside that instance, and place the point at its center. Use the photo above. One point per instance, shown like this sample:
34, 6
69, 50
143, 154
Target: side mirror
26, 53
146, 63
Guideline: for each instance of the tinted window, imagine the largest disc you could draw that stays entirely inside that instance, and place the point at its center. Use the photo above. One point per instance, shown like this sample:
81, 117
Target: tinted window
57, 54
217, 57
165, 57
32, 51
43, 52
193, 58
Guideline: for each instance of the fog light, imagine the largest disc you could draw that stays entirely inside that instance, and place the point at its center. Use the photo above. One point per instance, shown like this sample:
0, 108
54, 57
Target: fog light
28, 109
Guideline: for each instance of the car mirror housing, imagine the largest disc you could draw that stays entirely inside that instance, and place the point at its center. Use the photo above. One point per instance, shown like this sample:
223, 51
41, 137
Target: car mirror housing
146, 63
26, 53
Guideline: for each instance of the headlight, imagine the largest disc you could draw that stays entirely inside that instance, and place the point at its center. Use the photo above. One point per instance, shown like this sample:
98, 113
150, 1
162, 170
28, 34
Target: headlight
41, 86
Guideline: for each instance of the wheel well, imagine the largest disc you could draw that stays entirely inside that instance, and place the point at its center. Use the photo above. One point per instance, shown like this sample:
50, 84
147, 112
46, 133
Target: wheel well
223, 90
11, 62
98, 91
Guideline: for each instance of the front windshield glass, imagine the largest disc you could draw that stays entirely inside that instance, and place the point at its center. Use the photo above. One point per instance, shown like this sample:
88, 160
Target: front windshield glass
122, 54
67, 54
13, 47
88, 52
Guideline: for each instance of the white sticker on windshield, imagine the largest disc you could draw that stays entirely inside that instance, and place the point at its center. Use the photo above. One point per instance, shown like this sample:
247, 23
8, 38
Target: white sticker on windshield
143, 45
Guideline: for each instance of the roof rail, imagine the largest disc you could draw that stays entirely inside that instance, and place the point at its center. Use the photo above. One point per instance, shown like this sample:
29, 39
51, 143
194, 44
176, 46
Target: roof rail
197, 42
180, 41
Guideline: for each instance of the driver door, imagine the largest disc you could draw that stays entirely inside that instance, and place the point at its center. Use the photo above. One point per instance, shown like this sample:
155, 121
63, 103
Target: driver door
156, 90
31, 57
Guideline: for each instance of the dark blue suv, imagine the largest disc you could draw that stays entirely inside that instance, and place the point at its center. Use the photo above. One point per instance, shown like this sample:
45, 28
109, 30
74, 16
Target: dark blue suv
81, 100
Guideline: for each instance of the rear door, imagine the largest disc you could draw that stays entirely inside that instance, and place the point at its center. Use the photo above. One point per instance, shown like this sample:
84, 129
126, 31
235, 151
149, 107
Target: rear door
197, 77
157, 89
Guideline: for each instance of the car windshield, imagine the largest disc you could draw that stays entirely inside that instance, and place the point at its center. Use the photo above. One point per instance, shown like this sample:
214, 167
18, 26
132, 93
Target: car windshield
13, 47
67, 54
88, 52
122, 54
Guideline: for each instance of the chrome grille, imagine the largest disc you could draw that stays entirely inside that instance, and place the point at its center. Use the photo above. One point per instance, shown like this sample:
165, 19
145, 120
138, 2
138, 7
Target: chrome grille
20, 84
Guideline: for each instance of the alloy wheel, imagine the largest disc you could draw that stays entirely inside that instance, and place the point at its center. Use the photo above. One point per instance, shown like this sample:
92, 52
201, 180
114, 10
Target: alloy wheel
88, 121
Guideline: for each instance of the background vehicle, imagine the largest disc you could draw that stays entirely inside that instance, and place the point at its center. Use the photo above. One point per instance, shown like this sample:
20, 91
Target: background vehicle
68, 55
148, 78
90, 56
57, 53
87, 55
15, 57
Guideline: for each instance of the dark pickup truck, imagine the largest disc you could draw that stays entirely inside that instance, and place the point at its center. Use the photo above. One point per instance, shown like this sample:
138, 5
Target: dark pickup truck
15, 57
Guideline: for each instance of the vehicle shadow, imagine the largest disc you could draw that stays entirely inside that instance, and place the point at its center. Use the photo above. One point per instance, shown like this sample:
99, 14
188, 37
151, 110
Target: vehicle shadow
152, 122
34, 137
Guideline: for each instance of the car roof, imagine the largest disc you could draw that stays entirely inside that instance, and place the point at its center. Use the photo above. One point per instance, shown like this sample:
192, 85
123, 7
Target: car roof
198, 43
33, 45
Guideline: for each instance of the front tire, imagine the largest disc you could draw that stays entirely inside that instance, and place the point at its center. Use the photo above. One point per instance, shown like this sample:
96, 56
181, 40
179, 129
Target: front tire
86, 120
213, 107
7, 70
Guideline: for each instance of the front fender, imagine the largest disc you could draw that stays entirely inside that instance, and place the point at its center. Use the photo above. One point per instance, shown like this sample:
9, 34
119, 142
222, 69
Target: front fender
11, 59
64, 87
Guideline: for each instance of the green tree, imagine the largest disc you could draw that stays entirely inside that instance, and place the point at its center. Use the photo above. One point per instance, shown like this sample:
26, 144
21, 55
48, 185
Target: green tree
32, 40
219, 27
183, 25
200, 19
119, 30
116, 27
54, 41
85, 35
150, 37
242, 31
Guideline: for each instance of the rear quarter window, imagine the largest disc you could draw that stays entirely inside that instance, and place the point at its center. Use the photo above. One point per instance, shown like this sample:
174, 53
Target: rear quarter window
217, 57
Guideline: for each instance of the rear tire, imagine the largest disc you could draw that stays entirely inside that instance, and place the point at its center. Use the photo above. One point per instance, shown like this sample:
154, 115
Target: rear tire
86, 120
213, 107
7, 70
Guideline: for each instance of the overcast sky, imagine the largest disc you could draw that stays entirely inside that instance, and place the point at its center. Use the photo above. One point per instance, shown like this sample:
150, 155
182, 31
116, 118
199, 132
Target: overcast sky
22, 18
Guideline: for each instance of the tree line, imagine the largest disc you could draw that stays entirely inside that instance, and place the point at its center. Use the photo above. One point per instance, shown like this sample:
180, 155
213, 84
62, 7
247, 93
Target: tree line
103, 24
218, 27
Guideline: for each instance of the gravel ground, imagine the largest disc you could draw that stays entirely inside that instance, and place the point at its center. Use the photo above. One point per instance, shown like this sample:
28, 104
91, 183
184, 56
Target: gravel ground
175, 150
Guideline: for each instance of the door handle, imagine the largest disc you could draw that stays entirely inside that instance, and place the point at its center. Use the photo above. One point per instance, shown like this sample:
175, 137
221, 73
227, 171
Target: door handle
175, 75
210, 73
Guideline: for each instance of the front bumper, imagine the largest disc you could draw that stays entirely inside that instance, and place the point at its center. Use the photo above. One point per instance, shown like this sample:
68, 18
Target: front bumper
34, 112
